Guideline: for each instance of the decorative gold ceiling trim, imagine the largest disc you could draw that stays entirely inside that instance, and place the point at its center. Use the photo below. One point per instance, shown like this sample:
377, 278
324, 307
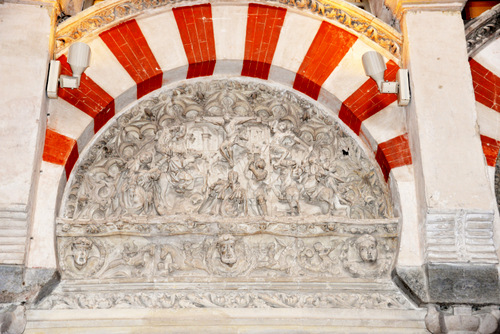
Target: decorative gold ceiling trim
109, 13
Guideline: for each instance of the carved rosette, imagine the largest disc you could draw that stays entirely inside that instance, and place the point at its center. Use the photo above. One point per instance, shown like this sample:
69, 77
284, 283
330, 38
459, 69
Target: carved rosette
225, 180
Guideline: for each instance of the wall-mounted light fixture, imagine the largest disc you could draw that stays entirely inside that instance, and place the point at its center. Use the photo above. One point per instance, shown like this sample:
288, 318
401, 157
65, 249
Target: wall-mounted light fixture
78, 59
374, 66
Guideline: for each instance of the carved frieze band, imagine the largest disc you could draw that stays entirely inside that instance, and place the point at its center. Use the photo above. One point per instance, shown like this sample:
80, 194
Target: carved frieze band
373, 296
482, 30
460, 236
356, 251
104, 16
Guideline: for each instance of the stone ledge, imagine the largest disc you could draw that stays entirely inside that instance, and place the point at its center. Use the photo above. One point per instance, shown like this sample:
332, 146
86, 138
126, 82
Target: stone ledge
25, 285
449, 283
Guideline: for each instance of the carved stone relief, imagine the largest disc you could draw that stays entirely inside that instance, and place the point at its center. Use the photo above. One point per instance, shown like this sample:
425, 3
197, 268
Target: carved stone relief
147, 256
375, 297
228, 149
225, 180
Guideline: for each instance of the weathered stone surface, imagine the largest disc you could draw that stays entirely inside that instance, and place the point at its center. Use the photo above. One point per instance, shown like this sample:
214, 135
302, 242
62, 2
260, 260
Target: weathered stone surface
12, 319
413, 282
11, 282
463, 283
21, 285
462, 319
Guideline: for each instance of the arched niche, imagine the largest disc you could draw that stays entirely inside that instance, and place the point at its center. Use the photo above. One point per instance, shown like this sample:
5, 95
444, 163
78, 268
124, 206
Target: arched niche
226, 193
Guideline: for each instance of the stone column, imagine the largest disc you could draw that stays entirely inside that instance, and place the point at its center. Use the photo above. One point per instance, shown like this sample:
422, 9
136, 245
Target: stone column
26, 38
455, 200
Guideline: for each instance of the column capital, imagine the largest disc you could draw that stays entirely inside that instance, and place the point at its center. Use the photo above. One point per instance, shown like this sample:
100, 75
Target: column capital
399, 7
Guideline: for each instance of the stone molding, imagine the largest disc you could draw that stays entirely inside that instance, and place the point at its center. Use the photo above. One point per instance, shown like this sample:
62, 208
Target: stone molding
226, 295
14, 226
459, 236
482, 30
462, 319
108, 14
400, 7
12, 319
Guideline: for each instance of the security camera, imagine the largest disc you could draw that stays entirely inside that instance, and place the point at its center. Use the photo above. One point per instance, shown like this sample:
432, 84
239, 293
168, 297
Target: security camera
78, 60
374, 66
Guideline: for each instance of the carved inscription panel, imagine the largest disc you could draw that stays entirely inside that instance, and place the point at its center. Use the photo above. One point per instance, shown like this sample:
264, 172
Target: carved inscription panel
229, 149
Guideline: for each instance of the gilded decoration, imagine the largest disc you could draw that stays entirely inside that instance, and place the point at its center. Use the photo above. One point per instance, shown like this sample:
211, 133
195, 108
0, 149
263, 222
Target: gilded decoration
101, 17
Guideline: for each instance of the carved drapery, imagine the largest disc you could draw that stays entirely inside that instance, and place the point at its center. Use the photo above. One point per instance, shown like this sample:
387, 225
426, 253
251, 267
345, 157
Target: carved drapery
226, 180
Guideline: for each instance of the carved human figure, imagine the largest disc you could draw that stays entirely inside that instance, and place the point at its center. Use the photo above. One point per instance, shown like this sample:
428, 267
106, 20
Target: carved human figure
226, 197
142, 190
287, 189
230, 124
81, 250
216, 193
258, 168
225, 247
367, 248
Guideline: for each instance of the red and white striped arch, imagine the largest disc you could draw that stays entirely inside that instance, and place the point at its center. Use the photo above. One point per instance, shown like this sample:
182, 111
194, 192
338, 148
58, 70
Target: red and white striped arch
310, 55
485, 69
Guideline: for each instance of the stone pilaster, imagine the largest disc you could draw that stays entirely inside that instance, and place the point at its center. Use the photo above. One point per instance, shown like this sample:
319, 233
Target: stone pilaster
25, 35
455, 200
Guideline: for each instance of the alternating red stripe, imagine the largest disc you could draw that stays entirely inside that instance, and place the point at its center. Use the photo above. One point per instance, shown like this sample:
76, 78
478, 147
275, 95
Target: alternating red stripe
263, 31
89, 97
197, 34
60, 150
128, 44
393, 153
486, 85
490, 149
367, 101
326, 51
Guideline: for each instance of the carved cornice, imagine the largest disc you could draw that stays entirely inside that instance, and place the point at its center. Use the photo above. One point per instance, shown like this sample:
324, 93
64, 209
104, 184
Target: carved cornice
482, 30
109, 13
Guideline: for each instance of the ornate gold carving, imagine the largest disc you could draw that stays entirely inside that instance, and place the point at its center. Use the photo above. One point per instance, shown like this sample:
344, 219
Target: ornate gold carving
107, 14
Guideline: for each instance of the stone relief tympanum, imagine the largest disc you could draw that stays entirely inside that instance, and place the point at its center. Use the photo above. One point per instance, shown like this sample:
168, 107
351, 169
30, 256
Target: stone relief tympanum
228, 149
226, 180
